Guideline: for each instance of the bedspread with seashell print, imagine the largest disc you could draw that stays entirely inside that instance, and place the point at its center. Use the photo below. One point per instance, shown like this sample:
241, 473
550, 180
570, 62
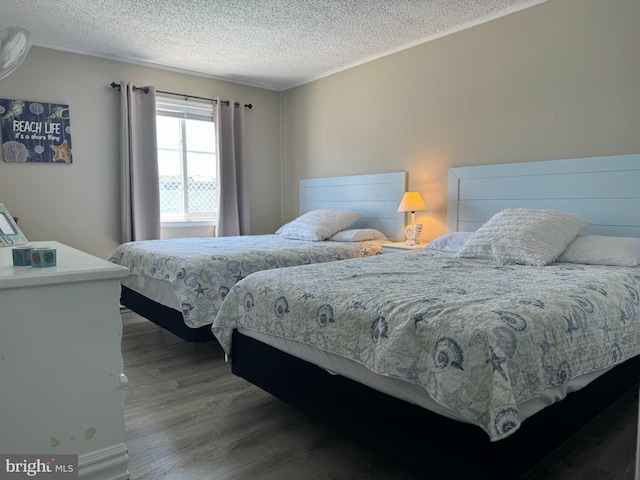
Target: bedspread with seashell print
202, 270
480, 337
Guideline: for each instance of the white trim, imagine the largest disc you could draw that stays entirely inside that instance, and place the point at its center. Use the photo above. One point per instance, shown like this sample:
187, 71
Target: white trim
110, 463
188, 223
180, 108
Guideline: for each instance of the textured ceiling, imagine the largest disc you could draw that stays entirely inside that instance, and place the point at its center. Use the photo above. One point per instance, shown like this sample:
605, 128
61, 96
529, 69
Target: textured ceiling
276, 44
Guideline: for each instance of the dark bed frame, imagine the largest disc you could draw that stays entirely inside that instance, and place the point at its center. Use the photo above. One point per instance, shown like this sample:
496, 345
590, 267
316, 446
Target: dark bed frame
427, 444
165, 317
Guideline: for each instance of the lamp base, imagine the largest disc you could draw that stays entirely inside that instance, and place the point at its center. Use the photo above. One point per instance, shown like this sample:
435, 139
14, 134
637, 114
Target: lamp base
412, 234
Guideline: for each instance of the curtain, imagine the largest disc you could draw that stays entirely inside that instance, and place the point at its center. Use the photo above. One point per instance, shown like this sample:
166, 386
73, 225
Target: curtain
233, 192
140, 215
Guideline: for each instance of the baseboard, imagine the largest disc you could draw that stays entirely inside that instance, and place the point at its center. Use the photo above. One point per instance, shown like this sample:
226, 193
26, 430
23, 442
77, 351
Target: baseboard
110, 463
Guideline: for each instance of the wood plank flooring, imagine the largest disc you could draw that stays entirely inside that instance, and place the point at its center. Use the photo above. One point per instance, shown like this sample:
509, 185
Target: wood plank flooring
189, 418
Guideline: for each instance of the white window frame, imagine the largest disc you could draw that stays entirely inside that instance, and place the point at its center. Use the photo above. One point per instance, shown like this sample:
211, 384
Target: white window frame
186, 109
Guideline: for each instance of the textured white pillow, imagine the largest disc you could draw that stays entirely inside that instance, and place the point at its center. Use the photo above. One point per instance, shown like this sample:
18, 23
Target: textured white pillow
524, 236
603, 250
449, 242
358, 235
318, 225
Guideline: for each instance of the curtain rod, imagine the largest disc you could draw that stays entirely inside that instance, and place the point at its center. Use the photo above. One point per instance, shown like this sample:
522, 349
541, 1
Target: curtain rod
186, 97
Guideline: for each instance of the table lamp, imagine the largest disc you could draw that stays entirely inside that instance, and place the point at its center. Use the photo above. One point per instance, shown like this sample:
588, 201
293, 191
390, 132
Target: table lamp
411, 202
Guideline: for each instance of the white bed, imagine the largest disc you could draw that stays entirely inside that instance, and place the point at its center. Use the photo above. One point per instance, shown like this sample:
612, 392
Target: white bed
602, 190
180, 283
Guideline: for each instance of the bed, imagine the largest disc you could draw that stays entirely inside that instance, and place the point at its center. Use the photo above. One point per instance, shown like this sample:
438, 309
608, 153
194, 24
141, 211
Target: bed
179, 284
455, 363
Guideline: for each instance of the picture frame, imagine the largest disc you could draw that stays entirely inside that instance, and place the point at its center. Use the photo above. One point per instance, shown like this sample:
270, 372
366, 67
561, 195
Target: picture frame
10, 233
35, 132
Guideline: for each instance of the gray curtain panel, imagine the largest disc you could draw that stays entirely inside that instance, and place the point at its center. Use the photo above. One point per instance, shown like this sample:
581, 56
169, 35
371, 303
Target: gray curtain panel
139, 164
233, 193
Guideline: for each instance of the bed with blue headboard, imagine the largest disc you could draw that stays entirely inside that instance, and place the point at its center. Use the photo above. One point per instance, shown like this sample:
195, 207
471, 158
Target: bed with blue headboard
602, 189
420, 401
179, 284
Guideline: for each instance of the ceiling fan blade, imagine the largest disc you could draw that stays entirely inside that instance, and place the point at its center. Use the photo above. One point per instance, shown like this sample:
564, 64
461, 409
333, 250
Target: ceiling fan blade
14, 46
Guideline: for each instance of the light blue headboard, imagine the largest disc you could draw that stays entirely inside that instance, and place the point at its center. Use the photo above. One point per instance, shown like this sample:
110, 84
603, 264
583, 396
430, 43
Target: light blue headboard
376, 195
604, 190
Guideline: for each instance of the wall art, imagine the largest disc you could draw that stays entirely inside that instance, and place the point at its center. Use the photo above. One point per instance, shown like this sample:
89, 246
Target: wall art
35, 132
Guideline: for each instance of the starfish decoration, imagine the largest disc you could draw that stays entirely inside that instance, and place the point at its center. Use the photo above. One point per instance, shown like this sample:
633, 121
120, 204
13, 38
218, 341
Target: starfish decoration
200, 290
413, 372
496, 363
63, 152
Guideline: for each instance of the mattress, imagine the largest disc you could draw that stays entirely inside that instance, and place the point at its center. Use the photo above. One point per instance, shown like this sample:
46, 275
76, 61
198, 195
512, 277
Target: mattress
482, 339
193, 275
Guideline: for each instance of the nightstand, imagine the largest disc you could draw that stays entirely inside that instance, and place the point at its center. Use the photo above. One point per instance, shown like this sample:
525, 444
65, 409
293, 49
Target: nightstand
396, 247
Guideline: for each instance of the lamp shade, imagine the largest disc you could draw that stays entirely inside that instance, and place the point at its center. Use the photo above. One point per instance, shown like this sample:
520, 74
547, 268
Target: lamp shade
411, 202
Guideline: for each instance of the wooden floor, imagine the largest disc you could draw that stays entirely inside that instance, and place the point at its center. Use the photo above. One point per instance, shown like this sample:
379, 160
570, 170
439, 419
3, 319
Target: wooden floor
189, 418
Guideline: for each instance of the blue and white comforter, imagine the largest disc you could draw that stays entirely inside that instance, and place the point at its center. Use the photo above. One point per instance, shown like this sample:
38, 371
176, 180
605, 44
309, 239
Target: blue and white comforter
202, 270
478, 336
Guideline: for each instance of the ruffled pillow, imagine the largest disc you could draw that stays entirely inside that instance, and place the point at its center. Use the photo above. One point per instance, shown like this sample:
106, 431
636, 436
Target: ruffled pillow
318, 225
524, 236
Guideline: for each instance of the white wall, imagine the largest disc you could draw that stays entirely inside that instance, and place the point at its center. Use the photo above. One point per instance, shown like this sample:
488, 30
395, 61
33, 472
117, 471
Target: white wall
79, 204
558, 80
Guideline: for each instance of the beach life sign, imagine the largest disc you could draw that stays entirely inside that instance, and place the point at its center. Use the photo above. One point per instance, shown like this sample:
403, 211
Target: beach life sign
35, 132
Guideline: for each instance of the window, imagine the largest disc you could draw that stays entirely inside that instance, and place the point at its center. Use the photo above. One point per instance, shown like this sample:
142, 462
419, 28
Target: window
187, 161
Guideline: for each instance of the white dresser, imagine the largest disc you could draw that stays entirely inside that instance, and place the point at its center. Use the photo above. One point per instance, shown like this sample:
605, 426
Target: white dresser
61, 369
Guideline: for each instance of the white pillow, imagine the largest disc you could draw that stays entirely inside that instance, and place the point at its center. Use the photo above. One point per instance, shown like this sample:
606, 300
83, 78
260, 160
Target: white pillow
603, 250
358, 235
449, 242
318, 224
524, 236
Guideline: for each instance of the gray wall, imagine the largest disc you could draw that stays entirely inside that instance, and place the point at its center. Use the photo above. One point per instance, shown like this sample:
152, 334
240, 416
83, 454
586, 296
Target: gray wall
79, 204
558, 80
